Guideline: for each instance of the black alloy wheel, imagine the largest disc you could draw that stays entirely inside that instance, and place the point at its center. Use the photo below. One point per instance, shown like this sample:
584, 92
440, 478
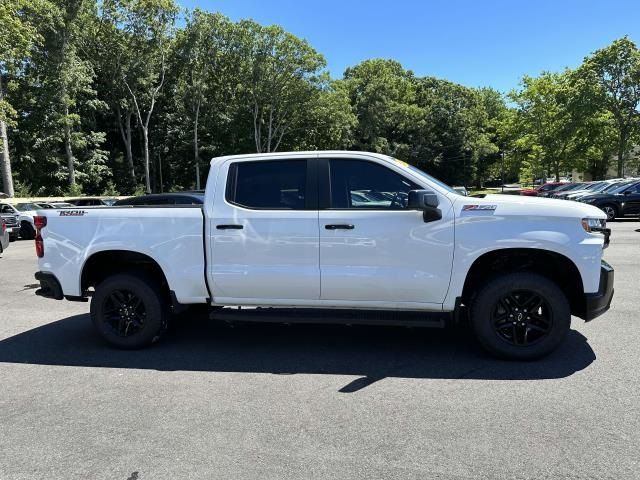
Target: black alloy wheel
129, 310
124, 312
522, 317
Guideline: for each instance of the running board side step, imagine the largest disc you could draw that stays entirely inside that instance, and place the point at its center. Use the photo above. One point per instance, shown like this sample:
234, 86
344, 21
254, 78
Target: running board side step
332, 316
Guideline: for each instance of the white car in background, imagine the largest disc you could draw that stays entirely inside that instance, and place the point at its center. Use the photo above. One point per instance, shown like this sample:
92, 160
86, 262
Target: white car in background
25, 213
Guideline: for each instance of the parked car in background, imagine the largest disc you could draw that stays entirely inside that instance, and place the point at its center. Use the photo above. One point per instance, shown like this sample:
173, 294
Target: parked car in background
584, 188
4, 235
621, 202
26, 212
88, 202
610, 188
545, 188
50, 205
567, 187
10, 215
600, 187
178, 198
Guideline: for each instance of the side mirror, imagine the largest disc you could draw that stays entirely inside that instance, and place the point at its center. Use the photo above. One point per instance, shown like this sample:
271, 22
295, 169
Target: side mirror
422, 199
427, 201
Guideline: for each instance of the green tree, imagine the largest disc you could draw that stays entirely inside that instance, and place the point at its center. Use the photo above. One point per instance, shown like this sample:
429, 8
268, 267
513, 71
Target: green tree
329, 122
615, 69
383, 97
147, 29
18, 34
60, 144
550, 116
281, 75
202, 59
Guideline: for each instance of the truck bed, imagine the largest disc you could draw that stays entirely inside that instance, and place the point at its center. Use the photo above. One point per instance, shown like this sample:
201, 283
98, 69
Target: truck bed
172, 235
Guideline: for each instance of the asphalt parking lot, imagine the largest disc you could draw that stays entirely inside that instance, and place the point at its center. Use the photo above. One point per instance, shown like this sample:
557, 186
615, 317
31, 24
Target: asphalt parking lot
278, 402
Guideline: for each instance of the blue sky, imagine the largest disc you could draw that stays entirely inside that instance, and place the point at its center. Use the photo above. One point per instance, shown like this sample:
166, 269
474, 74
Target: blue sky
476, 43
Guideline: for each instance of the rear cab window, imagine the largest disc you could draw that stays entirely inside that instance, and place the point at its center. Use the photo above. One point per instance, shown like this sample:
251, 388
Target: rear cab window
268, 185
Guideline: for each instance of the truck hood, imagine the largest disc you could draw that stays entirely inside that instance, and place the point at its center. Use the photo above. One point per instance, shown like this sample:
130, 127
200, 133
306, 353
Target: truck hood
527, 206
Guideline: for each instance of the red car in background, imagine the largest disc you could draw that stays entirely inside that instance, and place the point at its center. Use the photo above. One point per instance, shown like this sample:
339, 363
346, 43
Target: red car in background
544, 188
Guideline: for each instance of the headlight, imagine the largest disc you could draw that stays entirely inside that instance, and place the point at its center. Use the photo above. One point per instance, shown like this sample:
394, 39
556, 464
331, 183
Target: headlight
594, 224
589, 200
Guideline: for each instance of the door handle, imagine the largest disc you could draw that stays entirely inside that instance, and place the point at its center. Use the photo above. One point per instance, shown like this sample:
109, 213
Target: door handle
339, 226
229, 227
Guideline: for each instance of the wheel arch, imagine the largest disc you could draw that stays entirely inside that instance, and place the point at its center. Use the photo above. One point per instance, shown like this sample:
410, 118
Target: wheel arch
102, 264
552, 265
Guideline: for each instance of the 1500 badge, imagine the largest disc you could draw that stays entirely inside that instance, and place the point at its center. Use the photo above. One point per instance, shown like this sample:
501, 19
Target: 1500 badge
72, 213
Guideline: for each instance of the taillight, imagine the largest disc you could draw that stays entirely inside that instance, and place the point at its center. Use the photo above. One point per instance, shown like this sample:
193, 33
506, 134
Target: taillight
40, 222
4, 226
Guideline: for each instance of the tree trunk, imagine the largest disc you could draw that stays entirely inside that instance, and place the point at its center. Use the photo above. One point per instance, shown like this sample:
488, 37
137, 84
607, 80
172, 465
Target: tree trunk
256, 128
196, 156
68, 150
621, 144
270, 134
125, 133
160, 172
7, 177
145, 136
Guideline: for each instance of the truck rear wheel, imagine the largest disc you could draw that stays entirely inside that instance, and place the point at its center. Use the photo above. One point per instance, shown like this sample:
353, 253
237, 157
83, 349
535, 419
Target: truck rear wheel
521, 316
129, 311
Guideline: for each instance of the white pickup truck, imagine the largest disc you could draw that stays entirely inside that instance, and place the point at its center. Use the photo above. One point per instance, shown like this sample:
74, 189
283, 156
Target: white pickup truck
334, 237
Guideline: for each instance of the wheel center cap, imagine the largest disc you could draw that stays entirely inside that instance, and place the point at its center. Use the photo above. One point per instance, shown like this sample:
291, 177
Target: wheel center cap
519, 316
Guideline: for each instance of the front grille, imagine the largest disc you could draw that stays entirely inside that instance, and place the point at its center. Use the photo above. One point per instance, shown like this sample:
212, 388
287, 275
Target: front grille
11, 220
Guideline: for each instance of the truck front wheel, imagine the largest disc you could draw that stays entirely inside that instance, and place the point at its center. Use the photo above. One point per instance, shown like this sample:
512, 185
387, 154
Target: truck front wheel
520, 316
129, 311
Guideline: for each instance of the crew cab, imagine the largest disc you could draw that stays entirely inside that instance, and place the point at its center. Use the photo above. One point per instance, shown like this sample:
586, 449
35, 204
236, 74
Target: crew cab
333, 237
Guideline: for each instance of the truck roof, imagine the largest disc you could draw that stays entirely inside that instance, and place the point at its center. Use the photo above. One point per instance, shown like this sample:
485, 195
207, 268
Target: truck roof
266, 156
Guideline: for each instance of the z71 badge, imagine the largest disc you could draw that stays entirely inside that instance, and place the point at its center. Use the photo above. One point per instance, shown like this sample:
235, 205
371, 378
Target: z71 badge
72, 213
478, 207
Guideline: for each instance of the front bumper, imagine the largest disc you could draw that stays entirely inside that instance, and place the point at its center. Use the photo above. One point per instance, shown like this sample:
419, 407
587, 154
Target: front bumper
595, 304
49, 286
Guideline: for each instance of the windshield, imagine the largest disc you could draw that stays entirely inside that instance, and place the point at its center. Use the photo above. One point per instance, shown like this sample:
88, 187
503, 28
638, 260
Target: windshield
428, 177
594, 186
620, 188
25, 207
616, 187
568, 186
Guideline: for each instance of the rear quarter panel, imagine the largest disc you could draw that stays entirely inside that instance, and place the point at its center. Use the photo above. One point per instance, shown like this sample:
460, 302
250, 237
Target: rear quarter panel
173, 237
